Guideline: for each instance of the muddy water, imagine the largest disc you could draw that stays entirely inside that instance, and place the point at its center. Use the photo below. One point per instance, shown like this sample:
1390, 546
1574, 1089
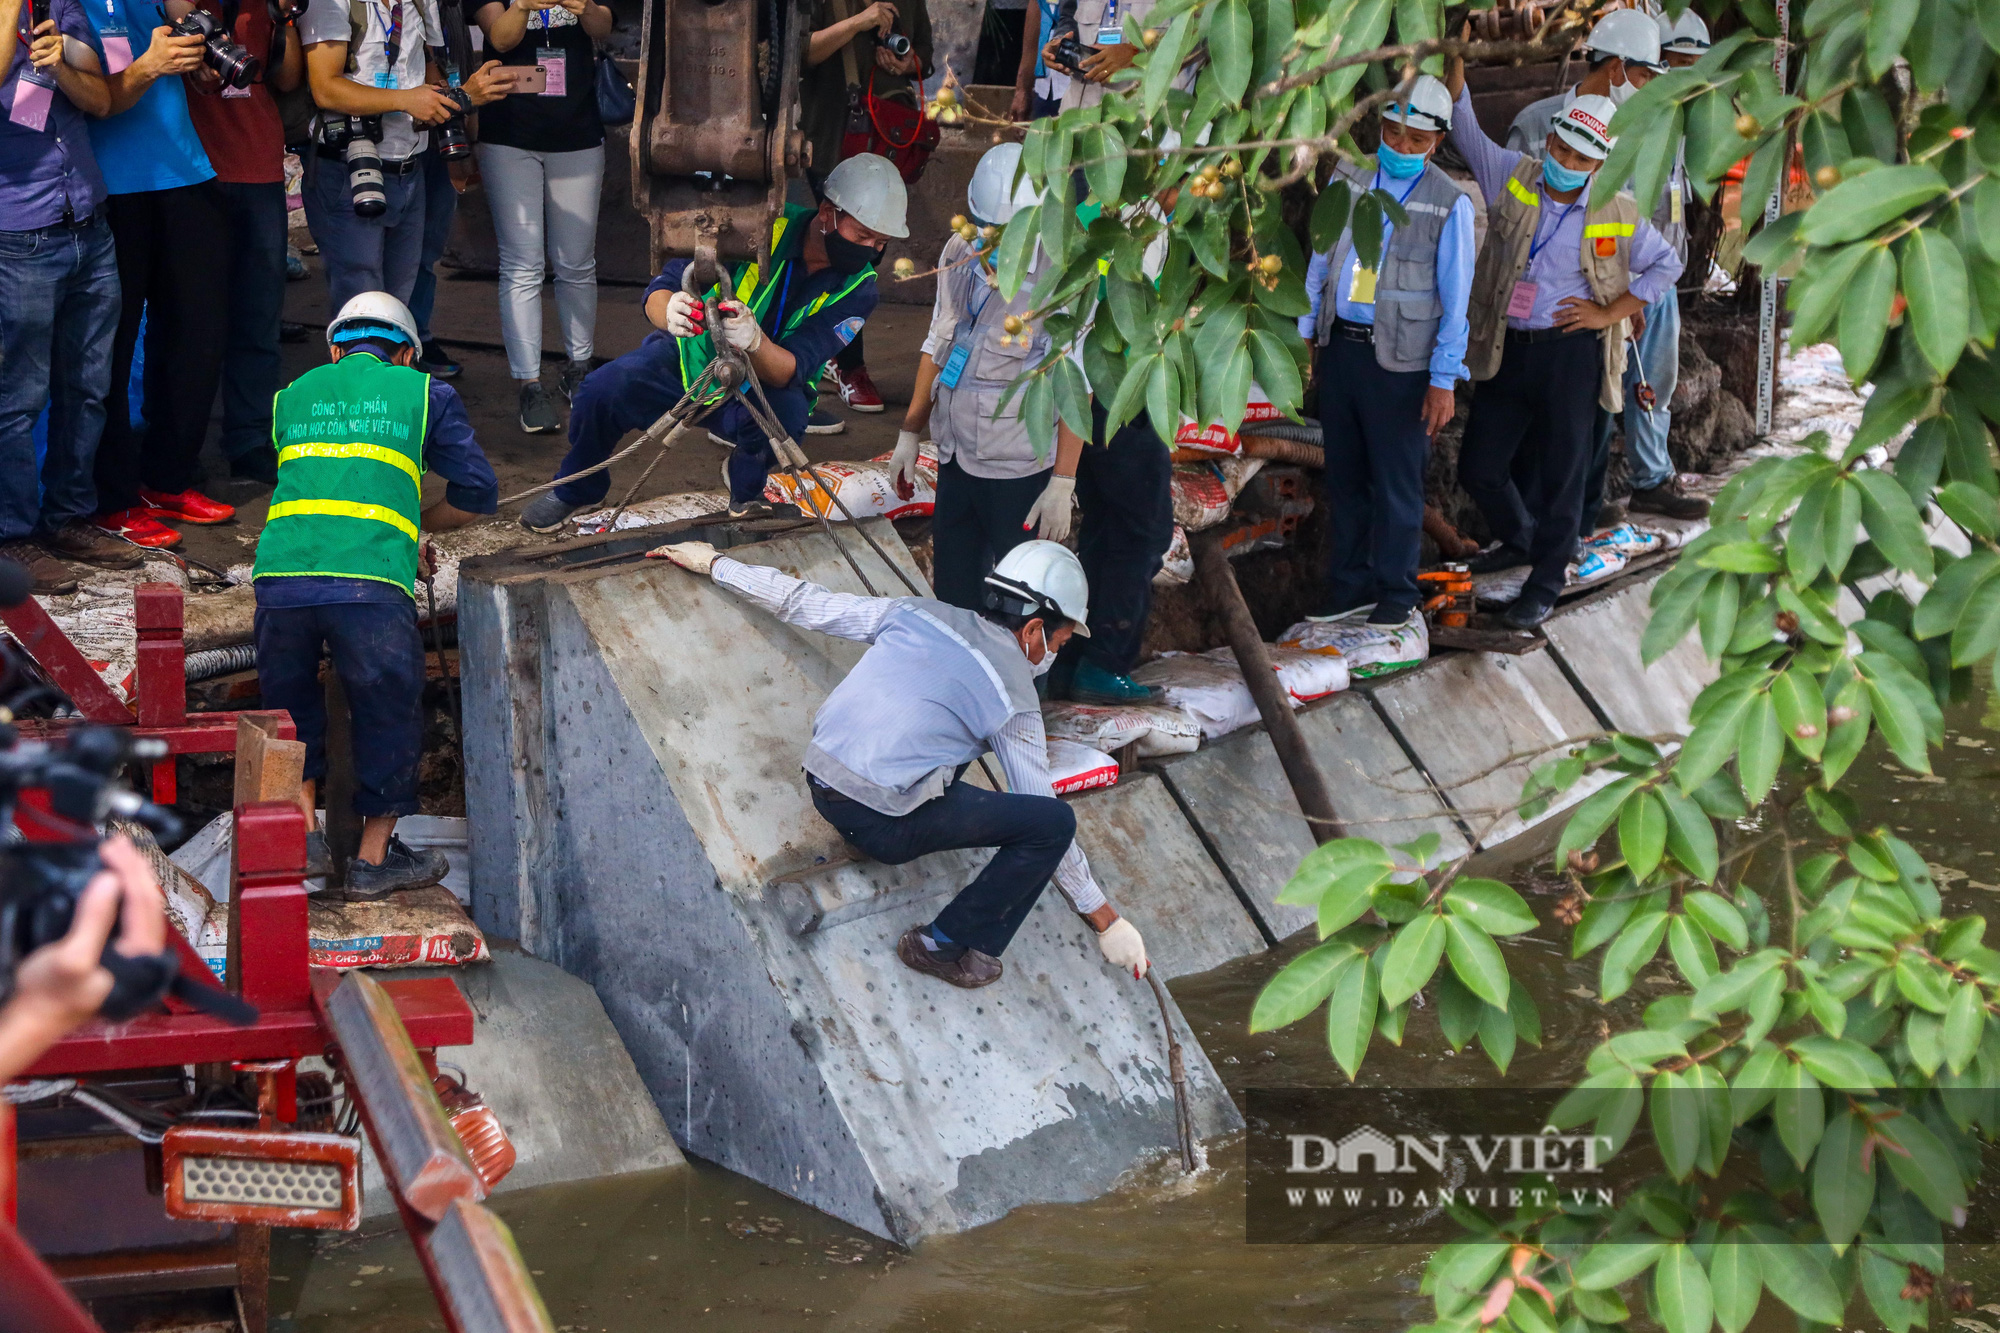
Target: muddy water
698, 1247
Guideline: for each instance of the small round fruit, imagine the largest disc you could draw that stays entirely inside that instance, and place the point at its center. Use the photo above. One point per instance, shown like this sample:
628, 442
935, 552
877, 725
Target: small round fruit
1748, 126
1211, 173
1012, 324
905, 268
1232, 168
1271, 265
958, 222
989, 233
1827, 177
946, 97
1006, 340
1151, 37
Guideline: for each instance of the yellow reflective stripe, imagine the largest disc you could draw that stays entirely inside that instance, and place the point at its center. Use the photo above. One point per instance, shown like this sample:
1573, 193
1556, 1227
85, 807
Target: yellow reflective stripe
370, 451
343, 509
1607, 229
1523, 193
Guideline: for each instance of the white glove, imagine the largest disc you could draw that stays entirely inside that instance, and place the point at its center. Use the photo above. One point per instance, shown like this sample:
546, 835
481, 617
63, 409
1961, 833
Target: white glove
1052, 510
903, 464
695, 557
788, 452
683, 312
739, 327
1122, 947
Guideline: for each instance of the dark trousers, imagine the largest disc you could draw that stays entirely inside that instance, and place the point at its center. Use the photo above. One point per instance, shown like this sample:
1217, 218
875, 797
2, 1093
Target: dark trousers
1537, 409
632, 392
1376, 452
1128, 520
851, 357
251, 367
977, 520
173, 266
440, 209
380, 657
1030, 835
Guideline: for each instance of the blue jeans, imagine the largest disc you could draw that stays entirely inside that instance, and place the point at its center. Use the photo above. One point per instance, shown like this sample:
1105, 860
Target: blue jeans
378, 254
59, 302
632, 393
380, 657
440, 208
251, 367
1030, 835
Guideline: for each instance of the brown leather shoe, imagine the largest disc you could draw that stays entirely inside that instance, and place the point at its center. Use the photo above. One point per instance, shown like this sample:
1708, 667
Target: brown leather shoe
1668, 499
971, 969
51, 579
92, 545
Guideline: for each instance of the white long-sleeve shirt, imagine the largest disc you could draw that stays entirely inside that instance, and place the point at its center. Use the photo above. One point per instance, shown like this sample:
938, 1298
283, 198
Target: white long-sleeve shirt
1019, 742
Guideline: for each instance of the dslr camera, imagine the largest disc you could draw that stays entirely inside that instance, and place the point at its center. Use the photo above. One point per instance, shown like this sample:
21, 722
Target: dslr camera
229, 60
895, 43
358, 140
452, 143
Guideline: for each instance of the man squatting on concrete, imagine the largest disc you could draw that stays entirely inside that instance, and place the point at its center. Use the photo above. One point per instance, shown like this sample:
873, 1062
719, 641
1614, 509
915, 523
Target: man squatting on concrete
937, 688
1553, 294
1392, 346
818, 294
1625, 50
337, 566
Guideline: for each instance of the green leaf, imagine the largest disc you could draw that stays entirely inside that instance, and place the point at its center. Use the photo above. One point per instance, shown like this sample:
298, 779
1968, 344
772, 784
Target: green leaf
1412, 956
1925, 1166
1163, 398
1741, 557
1864, 318
1801, 709
1857, 206
1459, 1010
1491, 905
1799, 1110
1889, 24
1843, 1181
1329, 215
1718, 916
1017, 247
1633, 949
1350, 1017
1347, 898
1690, 835
1496, 1037
1935, 285
1642, 832
1301, 985
1736, 1280
1845, 1065
1276, 371
1969, 507
1608, 1264
1692, 952
1477, 961
1762, 746
1712, 742
1795, 1275
1327, 863
1680, 1292
1677, 1126
1232, 48
1964, 1025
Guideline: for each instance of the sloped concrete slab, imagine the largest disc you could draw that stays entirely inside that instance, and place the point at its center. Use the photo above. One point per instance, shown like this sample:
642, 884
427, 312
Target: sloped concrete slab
1480, 722
1236, 792
1598, 637
634, 793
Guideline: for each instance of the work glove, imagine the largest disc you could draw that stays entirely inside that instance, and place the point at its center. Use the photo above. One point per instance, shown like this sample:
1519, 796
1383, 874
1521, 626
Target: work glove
1052, 510
739, 327
903, 464
1122, 947
684, 315
427, 560
694, 557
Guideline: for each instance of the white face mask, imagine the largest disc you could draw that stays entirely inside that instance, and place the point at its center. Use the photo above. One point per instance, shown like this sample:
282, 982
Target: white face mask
1620, 92
1048, 658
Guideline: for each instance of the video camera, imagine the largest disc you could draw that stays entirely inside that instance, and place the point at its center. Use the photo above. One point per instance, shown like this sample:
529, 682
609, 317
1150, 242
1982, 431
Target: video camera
231, 61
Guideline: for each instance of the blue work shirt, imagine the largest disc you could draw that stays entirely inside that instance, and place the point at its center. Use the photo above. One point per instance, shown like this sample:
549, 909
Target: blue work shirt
817, 340
451, 451
44, 171
1556, 267
1455, 259
153, 145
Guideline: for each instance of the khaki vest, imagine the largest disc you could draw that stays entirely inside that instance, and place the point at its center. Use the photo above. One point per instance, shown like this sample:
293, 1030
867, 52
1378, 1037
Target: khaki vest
968, 421
1511, 220
1407, 308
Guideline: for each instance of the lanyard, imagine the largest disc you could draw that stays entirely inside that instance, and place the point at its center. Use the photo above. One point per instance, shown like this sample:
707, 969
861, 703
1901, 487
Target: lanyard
984, 296
1541, 243
392, 27
784, 294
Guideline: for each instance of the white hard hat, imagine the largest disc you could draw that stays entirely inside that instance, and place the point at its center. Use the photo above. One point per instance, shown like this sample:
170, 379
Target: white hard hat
994, 196
869, 189
1626, 33
1041, 576
1687, 36
1585, 125
373, 315
1428, 106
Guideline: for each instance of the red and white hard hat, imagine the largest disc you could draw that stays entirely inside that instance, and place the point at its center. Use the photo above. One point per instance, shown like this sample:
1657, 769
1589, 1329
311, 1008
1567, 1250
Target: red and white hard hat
1585, 125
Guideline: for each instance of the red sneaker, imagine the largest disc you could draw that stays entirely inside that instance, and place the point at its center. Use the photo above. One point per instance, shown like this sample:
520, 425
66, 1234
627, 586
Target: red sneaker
856, 389
137, 525
189, 506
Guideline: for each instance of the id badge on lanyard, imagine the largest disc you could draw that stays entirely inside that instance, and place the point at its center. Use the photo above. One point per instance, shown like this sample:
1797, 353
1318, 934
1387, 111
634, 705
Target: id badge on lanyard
1109, 33
961, 352
34, 94
554, 62
116, 37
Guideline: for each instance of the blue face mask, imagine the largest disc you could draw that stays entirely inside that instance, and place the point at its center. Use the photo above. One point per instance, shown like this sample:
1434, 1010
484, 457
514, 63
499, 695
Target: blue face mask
1560, 178
1399, 166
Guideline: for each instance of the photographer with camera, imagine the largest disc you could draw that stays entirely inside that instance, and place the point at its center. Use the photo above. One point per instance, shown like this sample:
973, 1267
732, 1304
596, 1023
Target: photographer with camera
58, 280
166, 213
378, 94
235, 111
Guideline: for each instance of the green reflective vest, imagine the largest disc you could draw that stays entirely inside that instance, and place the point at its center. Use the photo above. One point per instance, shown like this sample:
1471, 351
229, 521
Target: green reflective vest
757, 292
350, 441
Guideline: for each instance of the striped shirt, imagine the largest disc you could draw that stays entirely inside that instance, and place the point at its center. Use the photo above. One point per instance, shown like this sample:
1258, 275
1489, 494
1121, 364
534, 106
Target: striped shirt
1018, 739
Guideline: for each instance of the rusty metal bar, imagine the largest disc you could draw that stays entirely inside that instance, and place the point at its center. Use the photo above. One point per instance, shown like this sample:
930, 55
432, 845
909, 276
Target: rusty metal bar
1218, 582
421, 1155
479, 1275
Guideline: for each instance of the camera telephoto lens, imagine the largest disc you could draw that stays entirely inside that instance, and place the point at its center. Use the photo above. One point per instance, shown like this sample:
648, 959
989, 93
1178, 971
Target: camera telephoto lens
364, 170
453, 145
232, 63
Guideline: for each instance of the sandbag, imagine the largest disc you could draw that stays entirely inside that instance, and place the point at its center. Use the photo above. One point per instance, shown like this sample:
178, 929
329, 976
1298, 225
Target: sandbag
868, 489
1213, 439
1364, 649
1153, 729
1074, 767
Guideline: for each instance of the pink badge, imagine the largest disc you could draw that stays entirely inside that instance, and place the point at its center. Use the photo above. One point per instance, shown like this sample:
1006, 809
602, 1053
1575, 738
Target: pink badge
553, 60
32, 99
1522, 303
117, 53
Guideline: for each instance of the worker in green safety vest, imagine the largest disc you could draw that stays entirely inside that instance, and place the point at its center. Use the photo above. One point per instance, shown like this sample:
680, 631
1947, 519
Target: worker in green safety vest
337, 566
789, 323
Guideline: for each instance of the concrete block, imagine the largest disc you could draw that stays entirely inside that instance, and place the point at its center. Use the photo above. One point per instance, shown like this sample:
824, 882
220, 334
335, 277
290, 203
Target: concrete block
549, 1063
639, 818
1236, 792
1479, 723
1597, 637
